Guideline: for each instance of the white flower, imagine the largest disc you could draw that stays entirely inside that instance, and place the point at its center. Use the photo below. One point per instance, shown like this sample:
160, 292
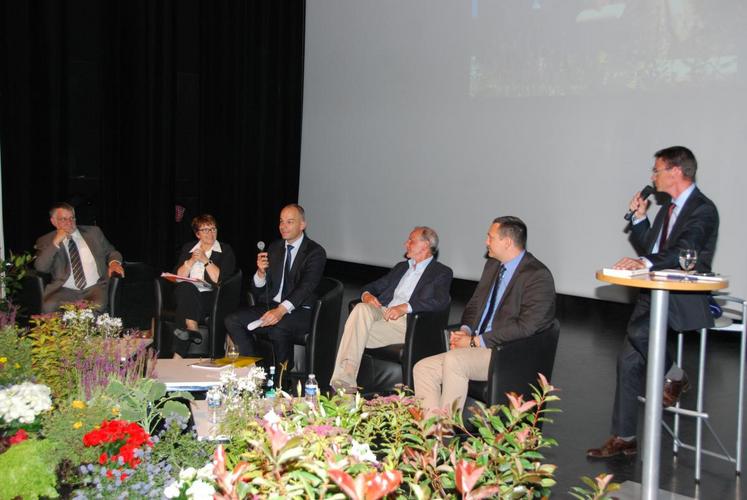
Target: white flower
187, 474
362, 452
173, 490
271, 417
206, 472
200, 490
23, 402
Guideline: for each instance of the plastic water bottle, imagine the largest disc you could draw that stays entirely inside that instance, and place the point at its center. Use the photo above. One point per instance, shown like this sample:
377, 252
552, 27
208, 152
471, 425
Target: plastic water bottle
311, 389
214, 400
270, 384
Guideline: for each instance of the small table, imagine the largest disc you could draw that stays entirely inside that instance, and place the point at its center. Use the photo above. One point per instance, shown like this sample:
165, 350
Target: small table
660, 288
179, 375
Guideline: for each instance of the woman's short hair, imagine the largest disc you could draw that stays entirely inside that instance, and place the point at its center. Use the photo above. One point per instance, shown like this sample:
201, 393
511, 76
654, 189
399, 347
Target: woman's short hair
203, 220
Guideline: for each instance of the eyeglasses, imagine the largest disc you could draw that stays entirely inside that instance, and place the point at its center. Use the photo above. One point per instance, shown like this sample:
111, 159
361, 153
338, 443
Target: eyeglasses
655, 171
65, 219
208, 230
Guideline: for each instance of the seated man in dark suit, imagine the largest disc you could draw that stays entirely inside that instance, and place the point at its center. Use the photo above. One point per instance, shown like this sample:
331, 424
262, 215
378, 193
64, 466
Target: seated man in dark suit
515, 298
283, 287
80, 259
416, 285
689, 221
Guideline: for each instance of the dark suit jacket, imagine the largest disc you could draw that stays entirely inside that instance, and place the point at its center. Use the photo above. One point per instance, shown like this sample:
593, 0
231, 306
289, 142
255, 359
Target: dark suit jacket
527, 305
430, 294
305, 274
225, 260
53, 260
696, 227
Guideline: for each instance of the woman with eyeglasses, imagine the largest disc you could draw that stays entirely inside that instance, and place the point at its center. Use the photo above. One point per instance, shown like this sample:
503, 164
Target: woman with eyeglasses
207, 260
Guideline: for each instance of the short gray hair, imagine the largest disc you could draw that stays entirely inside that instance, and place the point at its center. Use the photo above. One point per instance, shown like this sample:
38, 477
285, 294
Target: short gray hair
429, 235
61, 205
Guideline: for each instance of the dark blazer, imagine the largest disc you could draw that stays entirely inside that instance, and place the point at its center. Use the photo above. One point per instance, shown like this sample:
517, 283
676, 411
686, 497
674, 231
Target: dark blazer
527, 305
305, 274
53, 260
430, 294
225, 260
696, 227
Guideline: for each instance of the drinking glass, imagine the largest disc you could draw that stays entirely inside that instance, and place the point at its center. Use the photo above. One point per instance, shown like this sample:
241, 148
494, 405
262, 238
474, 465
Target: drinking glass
232, 352
688, 259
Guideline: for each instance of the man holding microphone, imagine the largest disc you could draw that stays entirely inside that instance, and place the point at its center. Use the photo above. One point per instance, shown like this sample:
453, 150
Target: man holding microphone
283, 289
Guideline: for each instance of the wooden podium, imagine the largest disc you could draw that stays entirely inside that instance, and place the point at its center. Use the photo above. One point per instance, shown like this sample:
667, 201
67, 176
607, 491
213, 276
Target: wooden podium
660, 288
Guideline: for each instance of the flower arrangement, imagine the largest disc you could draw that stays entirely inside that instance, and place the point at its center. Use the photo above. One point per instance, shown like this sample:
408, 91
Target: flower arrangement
21, 404
119, 441
117, 433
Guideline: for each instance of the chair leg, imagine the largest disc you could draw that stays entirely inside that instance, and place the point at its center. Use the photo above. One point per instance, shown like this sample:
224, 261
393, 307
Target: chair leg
676, 427
740, 397
699, 404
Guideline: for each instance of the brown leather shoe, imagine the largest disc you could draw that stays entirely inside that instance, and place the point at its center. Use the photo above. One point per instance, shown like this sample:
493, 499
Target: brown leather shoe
673, 389
613, 447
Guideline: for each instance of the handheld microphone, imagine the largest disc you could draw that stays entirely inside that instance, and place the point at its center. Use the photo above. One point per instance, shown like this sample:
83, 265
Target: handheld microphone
645, 193
261, 248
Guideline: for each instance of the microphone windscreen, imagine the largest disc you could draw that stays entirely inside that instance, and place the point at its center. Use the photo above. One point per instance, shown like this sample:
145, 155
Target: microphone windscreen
261, 246
647, 191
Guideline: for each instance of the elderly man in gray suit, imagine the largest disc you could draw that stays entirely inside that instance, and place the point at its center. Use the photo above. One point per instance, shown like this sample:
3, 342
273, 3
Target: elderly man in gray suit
80, 259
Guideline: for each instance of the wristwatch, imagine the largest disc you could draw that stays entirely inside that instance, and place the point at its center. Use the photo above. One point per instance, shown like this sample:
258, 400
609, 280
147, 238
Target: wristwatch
472, 342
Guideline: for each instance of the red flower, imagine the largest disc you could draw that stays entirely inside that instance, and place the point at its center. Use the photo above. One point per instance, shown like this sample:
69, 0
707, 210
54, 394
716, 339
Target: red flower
119, 439
18, 437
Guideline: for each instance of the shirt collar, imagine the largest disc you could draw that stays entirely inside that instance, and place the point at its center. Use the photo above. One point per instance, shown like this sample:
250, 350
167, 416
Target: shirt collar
296, 244
214, 248
512, 264
684, 195
419, 266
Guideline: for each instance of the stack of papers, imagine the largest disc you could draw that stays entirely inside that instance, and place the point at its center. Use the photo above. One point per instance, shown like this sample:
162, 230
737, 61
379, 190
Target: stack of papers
679, 274
221, 363
624, 273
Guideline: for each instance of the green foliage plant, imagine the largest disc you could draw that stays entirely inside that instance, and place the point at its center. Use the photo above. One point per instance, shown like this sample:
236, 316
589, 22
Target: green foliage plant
146, 402
27, 470
12, 271
599, 488
15, 356
344, 446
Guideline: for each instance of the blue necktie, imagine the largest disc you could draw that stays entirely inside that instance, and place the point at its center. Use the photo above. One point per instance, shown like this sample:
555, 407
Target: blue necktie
492, 303
286, 272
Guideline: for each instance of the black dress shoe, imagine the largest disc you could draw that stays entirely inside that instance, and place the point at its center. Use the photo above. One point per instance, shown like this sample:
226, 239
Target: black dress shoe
188, 335
673, 389
614, 447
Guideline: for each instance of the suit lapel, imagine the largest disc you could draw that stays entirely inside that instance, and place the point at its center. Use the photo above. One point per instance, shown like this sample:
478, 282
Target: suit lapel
510, 285
692, 201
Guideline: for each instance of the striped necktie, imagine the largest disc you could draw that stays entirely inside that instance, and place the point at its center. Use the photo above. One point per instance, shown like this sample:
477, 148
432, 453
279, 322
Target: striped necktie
77, 265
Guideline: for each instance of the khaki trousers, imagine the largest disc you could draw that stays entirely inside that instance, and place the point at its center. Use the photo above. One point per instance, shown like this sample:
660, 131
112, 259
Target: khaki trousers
365, 327
444, 378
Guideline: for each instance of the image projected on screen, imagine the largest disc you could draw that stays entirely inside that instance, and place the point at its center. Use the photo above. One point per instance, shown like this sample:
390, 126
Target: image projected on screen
563, 48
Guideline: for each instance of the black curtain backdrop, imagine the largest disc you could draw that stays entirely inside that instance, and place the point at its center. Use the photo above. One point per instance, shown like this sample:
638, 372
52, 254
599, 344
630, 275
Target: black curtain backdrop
126, 109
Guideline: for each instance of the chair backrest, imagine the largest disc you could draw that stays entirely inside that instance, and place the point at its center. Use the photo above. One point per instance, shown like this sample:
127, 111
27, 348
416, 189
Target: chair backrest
515, 364
424, 337
31, 294
132, 298
321, 343
226, 301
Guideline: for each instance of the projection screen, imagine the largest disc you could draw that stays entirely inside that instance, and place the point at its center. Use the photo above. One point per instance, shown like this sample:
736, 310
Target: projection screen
450, 113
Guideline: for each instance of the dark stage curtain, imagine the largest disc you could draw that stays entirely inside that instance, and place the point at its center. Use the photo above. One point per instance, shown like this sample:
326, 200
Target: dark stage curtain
127, 109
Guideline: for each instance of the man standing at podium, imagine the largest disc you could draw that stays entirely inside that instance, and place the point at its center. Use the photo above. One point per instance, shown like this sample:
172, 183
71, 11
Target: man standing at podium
689, 220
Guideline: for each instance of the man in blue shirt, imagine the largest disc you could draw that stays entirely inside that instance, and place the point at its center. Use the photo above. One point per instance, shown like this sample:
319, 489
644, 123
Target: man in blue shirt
515, 298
